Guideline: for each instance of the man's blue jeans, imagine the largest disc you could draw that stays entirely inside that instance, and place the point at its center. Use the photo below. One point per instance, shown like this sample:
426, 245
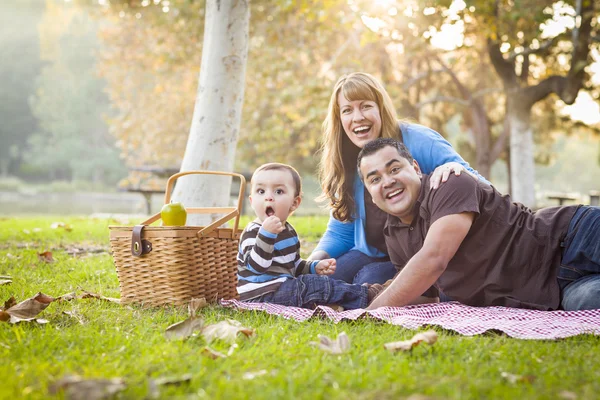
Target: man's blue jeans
579, 273
358, 268
312, 290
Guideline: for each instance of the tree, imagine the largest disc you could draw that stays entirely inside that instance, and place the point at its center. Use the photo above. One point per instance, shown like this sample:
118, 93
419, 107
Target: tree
216, 121
19, 40
539, 65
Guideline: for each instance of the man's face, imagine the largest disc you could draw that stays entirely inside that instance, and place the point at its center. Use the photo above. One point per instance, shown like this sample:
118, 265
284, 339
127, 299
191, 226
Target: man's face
273, 193
393, 182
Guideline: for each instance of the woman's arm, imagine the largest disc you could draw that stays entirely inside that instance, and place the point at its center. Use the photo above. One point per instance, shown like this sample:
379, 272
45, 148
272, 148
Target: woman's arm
337, 240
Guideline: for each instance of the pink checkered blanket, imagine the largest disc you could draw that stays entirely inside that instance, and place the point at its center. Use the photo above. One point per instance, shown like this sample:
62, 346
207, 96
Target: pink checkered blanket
466, 320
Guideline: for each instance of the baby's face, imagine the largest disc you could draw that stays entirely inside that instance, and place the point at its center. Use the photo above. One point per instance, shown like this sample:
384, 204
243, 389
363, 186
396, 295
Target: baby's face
273, 193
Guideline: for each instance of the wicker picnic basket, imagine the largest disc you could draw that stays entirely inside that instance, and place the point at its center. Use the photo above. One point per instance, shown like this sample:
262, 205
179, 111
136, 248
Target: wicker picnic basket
159, 265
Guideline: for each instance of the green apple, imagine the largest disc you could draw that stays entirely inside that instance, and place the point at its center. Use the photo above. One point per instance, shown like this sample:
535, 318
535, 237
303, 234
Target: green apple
173, 214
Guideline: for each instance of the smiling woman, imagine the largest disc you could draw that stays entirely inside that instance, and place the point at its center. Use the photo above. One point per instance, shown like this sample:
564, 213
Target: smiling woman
360, 110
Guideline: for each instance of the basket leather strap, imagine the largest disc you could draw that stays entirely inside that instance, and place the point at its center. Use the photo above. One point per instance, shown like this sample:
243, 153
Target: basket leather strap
139, 246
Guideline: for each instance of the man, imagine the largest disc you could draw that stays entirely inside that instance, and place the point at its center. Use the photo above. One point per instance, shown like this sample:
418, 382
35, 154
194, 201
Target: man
474, 244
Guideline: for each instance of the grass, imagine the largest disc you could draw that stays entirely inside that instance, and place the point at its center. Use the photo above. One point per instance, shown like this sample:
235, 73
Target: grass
128, 342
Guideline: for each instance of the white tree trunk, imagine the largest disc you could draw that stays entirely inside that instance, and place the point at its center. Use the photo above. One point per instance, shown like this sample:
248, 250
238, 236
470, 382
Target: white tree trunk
215, 126
522, 166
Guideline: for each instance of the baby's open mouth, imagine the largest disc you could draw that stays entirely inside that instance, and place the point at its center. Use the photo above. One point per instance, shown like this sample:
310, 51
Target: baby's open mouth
269, 211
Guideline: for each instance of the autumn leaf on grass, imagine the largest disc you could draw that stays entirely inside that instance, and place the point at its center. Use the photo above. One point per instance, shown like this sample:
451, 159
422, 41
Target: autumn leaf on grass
153, 384
196, 304
77, 388
9, 303
5, 280
67, 297
90, 295
66, 227
338, 346
429, 337
184, 329
46, 257
28, 309
513, 378
225, 330
210, 353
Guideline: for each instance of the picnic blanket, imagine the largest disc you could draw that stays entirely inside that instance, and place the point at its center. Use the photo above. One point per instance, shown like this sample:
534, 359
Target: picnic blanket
466, 320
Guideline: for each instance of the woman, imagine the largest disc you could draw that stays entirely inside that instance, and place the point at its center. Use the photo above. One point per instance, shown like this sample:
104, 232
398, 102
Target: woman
360, 110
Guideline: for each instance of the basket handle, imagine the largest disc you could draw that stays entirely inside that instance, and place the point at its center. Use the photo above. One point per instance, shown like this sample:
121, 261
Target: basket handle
231, 211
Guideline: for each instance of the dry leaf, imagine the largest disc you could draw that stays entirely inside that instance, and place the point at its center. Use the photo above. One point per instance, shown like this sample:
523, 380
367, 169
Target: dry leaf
512, 378
195, 305
338, 346
28, 309
9, 303
210, 353
184, 329
77, 388
46, 257
252, 375
565, 394
67, 297
66, 227
153, 384
12, 257
4, 316
4, 281
75, 315
225, 330
90, 295
429, 337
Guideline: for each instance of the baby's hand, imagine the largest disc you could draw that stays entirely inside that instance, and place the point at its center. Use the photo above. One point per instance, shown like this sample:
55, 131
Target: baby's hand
326, 267
273, 225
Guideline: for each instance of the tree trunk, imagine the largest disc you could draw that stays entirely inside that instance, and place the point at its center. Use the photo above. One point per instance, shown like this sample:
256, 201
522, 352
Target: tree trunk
216, 122
522, 166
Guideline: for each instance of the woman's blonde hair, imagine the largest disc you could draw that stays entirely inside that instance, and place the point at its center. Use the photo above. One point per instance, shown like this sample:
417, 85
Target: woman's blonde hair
337, 167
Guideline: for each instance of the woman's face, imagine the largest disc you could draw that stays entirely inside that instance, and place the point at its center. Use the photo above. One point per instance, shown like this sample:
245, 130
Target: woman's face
361, 120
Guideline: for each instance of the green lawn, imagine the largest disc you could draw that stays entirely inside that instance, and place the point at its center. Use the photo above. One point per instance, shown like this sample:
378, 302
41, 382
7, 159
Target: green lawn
112, 341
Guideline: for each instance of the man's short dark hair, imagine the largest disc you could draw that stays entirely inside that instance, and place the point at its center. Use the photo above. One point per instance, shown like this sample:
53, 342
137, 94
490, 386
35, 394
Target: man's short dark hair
375, 145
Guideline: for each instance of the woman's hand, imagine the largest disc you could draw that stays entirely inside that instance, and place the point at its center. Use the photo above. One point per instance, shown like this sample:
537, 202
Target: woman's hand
441, 173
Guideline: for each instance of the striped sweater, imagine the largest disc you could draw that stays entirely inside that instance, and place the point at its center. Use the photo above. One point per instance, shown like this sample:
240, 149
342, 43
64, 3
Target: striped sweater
266, 260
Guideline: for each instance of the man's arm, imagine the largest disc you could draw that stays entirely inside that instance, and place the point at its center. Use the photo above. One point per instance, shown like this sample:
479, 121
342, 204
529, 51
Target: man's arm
420, 272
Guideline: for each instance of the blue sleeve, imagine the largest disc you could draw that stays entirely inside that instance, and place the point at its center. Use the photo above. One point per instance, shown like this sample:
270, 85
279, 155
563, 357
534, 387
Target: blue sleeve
338, 238
431, 150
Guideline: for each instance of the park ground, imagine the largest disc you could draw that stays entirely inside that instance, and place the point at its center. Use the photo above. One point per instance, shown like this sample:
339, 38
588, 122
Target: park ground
90, 339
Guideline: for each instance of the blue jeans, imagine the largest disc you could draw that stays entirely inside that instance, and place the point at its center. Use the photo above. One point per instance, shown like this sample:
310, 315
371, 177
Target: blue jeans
579, 272
312, 290
358, 268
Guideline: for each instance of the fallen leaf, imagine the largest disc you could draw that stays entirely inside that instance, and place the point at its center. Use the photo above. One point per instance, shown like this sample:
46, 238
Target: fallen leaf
565, 394
77, 388
195, 305
184, 329
90, 295
338, 346
46, 257
153, 384
67, 297
210, 353
75, 315
429, 337
225, 330
36, 230
9, 303
12, 257
252, 375
28, 309
512, 378
66, 227
4, 281
4, 316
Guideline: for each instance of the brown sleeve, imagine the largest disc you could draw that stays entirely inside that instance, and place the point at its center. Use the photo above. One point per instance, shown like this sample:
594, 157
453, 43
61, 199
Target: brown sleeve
458, 195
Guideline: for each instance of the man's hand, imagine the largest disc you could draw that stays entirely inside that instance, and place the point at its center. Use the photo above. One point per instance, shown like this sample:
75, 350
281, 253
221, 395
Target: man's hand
273, 225
326, 267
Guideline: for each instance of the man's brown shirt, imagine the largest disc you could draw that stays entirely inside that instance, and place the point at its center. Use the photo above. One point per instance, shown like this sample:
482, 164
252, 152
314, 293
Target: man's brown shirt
510, 256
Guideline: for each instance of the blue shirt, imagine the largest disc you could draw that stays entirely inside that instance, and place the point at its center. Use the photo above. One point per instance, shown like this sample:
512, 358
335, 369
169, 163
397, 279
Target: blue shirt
430, 150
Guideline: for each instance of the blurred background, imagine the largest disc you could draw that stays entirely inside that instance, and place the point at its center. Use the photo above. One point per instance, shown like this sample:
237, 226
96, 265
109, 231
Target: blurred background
97, 96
